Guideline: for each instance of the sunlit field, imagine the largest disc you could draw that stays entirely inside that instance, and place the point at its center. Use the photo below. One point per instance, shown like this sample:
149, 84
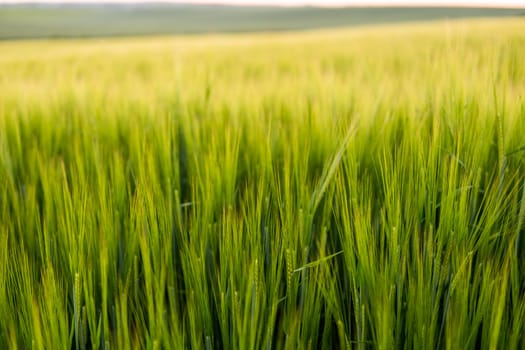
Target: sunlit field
353, 188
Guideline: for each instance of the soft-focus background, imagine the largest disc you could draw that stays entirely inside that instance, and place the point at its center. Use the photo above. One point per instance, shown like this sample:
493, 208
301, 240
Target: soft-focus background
89, 18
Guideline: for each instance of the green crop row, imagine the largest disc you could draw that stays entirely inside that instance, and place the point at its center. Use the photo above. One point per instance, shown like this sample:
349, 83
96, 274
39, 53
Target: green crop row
359, 188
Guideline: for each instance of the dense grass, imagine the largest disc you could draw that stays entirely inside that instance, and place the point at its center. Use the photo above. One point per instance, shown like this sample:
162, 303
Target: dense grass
338, 189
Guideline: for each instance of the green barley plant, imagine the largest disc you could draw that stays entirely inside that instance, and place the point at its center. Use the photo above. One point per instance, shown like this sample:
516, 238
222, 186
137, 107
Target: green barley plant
353, 188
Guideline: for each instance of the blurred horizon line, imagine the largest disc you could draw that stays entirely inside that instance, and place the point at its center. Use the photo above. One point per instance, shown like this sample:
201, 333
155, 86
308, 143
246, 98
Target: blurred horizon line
328, 4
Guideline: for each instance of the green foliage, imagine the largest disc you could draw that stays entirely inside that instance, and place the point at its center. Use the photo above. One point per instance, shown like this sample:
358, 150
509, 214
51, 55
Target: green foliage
333, 189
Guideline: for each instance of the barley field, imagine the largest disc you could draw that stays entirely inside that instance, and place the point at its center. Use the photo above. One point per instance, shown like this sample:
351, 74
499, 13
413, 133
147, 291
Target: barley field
330, 189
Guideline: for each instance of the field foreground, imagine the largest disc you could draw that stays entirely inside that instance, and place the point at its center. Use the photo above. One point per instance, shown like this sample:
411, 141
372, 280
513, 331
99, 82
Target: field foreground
359, 188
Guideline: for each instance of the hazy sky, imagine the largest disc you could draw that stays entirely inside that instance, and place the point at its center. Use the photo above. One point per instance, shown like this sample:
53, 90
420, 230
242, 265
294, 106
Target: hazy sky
506, 3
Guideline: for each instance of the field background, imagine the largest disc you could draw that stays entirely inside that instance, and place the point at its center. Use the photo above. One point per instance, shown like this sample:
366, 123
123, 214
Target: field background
85, 20
350, 188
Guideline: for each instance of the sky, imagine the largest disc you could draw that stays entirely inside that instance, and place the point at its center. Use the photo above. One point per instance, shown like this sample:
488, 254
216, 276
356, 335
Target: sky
492, 3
